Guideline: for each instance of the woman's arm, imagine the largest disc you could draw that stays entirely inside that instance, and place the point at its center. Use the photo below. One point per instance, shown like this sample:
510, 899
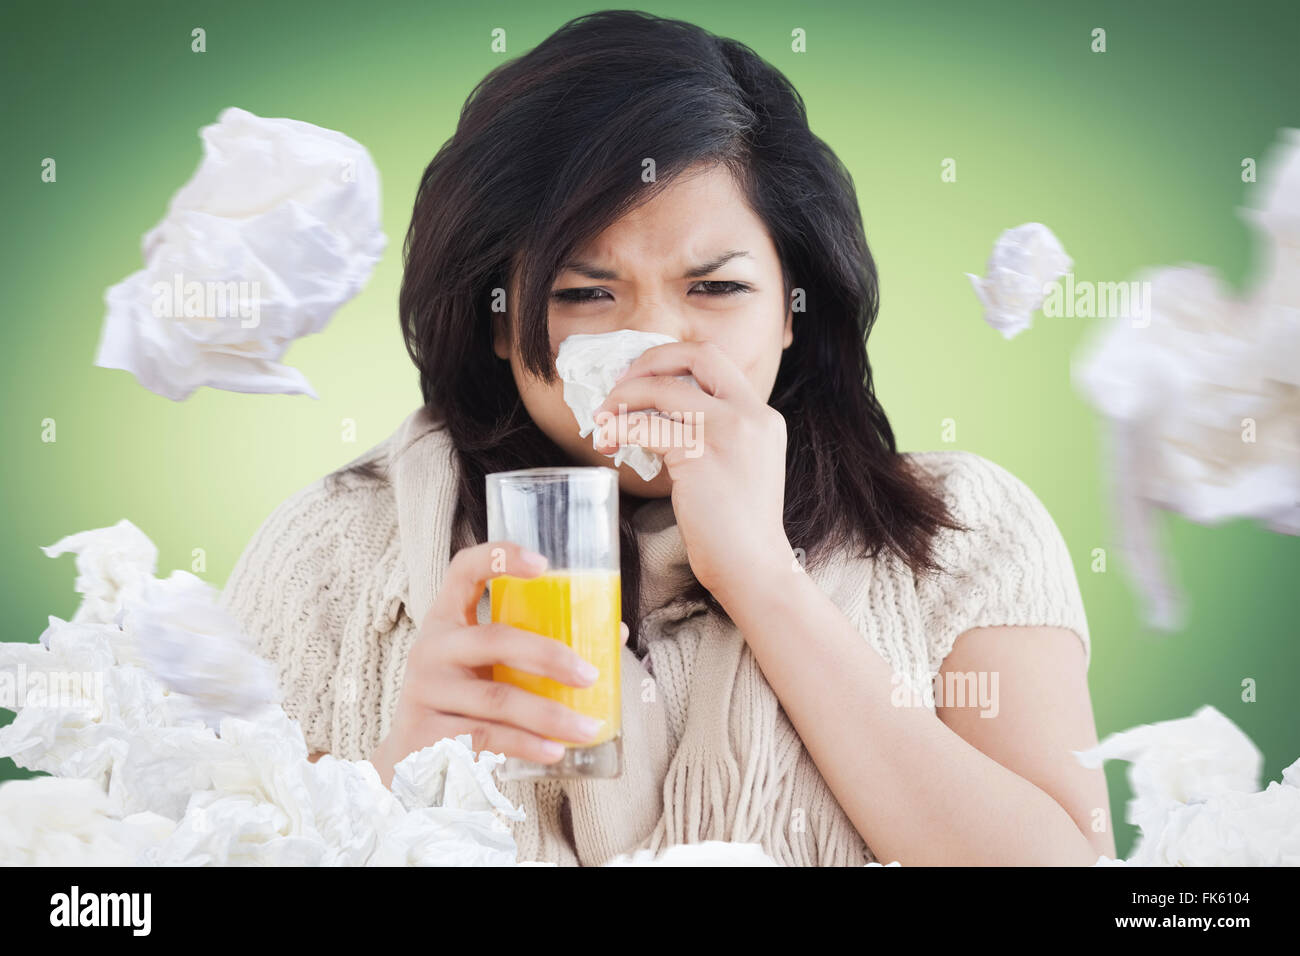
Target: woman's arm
1043, 711
926, 788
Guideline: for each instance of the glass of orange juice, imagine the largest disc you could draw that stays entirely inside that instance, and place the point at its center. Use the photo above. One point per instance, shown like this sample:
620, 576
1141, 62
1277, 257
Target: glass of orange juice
569, 515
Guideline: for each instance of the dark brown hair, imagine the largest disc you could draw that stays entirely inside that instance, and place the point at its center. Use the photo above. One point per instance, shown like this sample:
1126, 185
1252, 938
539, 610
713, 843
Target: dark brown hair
547, 154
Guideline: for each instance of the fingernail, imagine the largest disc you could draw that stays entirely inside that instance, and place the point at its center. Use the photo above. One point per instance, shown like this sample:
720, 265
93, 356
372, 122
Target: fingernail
533, 559
588, 726
587, 671
552, 749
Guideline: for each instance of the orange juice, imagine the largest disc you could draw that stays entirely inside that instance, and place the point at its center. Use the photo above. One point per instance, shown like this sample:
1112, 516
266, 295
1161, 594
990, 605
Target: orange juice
583, 610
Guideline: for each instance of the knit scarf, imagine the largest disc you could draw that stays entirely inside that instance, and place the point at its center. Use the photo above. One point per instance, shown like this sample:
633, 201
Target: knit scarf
708, 751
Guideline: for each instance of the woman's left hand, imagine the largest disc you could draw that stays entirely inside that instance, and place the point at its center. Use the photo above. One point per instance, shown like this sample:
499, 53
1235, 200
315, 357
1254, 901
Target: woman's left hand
724, 448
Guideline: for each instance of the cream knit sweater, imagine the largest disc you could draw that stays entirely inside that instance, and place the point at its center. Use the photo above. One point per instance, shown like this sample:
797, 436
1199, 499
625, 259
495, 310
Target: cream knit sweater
333, 584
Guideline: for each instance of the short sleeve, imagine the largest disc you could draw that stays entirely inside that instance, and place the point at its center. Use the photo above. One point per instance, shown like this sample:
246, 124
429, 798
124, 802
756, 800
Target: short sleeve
1012, 568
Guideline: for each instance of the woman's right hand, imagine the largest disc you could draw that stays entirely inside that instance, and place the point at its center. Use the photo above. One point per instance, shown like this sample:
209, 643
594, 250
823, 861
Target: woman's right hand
448, 688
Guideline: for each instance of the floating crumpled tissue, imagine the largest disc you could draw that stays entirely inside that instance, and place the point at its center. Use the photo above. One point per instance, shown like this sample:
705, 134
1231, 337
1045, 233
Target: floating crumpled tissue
1024, 260
1195, 795
190, 642
589, 365
138, 781
1202, 394
279, 226
174, 627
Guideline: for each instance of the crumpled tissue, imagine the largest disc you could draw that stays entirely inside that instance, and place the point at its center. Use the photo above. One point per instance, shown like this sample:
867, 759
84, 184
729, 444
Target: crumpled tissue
1196, 797
112, 565
57, 821
194, 647
140, 780
589, 365
279, 226
1202, 396
146, 775
1024, 260
448, 773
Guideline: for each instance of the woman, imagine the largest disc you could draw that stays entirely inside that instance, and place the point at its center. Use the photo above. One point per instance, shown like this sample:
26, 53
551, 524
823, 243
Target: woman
792, 592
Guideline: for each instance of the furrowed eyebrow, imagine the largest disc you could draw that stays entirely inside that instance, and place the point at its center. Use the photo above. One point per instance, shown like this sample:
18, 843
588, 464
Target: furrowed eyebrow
607, 275
715, 265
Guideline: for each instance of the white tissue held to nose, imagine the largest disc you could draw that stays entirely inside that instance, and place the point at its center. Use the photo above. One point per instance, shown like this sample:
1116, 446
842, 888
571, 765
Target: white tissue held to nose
589, 365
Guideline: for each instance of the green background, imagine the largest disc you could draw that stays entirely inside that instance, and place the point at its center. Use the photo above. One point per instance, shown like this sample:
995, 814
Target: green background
1131, 156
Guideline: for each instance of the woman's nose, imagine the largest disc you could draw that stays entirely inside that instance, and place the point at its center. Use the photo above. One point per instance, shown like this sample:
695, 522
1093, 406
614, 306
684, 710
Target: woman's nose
661, 319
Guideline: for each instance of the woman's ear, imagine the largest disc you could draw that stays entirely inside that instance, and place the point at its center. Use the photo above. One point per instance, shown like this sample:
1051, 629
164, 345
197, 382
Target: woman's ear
501, 335
789, 329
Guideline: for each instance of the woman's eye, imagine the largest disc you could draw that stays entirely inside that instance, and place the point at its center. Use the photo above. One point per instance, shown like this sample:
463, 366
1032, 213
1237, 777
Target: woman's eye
593, 294
724, 288
576, 295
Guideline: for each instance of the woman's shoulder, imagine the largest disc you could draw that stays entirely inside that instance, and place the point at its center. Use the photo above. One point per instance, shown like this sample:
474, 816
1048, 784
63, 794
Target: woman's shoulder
317, 569
346, 519
351, 508
331, 533
958, 467
1010, 566
978, 489
321, 585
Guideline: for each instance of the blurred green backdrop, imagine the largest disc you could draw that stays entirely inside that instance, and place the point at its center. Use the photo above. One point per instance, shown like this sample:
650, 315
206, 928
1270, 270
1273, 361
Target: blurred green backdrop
1132, 156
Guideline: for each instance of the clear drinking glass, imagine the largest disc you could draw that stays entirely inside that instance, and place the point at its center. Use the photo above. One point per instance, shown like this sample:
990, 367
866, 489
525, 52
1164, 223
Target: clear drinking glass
570, 515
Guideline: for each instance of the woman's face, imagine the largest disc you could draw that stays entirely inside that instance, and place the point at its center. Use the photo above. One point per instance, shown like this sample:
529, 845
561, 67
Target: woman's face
643, 279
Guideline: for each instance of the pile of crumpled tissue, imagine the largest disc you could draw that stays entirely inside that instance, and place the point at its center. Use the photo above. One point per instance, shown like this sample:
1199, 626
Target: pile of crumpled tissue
279, 226
167, 746
1196, 798
589, 365
1202, 395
